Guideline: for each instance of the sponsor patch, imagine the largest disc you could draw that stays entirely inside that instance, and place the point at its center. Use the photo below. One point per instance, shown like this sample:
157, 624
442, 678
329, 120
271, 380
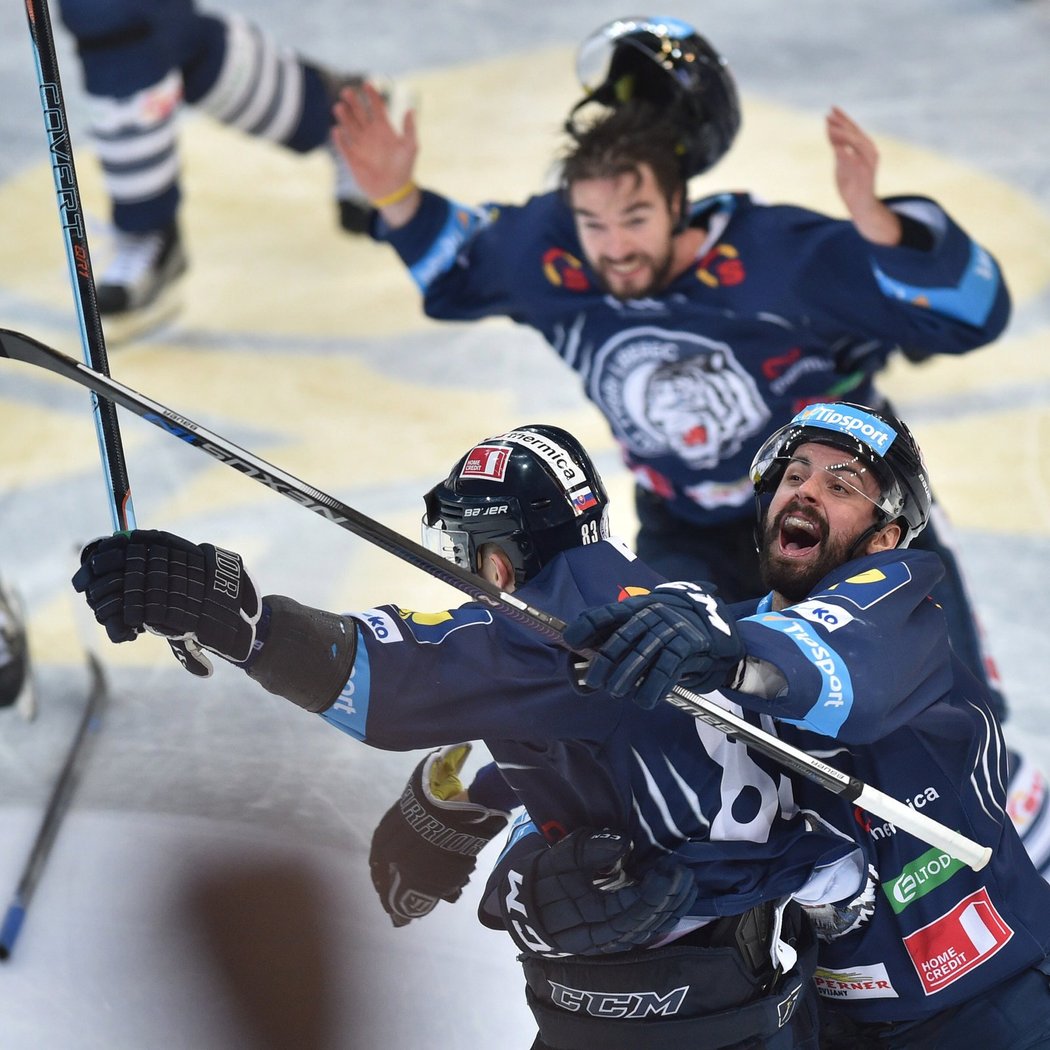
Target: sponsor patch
350, 710
382, 625
830, 617
486, 463
835, 702
875, 433
858, 982
934, 868
959, 941
561, 464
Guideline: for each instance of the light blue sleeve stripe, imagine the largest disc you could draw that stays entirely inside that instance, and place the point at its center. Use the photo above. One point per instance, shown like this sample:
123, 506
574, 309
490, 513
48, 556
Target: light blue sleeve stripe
522, 825
835, 702
350, 710
970, 301
460, 226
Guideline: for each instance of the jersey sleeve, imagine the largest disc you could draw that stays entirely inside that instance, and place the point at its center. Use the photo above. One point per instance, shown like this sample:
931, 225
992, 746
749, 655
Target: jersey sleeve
426, 679
473, 262
860, 657
945, 296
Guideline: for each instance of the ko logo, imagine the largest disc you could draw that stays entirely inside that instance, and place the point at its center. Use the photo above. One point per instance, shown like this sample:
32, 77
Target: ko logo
830, 617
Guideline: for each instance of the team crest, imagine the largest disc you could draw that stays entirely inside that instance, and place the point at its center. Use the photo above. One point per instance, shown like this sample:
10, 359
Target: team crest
676, 393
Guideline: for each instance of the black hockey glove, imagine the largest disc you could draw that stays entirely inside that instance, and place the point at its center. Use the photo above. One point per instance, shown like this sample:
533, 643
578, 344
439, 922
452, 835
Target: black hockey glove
425, 848
195, 595
575, 898
678, 634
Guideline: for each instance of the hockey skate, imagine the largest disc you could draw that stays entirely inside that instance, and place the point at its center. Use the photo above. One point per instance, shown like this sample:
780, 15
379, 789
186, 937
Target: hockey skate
16, 681
141, 286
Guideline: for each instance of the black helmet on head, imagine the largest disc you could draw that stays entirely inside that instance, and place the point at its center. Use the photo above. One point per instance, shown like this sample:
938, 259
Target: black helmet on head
533, 491
667, 63
880, 440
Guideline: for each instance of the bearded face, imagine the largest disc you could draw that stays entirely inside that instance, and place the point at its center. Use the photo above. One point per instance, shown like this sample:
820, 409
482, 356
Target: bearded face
798, 550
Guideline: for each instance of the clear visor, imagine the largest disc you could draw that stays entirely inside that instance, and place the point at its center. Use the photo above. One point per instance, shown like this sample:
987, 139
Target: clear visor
451, 544
849, 474
594, 57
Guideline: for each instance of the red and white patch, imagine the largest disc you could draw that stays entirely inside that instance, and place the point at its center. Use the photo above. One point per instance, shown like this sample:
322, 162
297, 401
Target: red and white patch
486, 463
960, 940
858, 982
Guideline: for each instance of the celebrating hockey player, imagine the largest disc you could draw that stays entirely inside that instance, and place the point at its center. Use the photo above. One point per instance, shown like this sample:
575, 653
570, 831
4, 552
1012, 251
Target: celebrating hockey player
849, 652
708, 849
697, 327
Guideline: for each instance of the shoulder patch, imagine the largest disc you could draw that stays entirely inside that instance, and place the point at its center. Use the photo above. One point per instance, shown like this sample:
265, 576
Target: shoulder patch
434, 628
869, 587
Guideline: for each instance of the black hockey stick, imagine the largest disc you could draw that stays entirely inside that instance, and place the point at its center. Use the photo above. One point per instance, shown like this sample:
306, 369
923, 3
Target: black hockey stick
53, 814
71, 218
20, 347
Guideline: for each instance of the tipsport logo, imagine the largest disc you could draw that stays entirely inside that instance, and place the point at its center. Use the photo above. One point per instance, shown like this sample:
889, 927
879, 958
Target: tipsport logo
873, 432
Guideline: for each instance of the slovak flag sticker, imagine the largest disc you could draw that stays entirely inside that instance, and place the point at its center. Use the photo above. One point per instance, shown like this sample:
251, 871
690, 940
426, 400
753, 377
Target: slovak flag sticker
584, 500
486, 462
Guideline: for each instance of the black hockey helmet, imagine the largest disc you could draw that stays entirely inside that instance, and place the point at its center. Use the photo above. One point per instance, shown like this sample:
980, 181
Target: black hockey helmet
879, 439
533, 491
667, 63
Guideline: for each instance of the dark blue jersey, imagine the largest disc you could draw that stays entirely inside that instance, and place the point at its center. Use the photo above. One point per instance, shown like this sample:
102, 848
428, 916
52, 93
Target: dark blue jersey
868, 683
583, 759
782, 307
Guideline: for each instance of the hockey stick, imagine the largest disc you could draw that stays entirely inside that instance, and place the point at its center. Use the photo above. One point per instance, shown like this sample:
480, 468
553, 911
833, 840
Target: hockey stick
20, 347
71, 217
53, 814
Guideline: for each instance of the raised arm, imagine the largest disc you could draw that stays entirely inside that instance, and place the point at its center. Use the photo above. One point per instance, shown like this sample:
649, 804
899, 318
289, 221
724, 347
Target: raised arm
382, 157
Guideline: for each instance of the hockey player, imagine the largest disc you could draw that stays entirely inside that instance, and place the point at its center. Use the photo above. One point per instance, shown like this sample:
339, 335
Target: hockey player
695, 327
708, 847
141, 60
852, 657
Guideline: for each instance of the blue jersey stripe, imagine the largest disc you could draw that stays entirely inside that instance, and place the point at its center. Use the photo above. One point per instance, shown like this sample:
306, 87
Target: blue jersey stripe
350, 710
835, 701
970, 301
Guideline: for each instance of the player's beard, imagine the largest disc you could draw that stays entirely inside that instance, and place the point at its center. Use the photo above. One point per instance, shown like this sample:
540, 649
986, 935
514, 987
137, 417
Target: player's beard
792, 580
658, 269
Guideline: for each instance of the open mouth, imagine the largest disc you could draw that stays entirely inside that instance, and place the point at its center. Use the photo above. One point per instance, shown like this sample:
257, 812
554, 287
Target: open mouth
626, 269
798, 535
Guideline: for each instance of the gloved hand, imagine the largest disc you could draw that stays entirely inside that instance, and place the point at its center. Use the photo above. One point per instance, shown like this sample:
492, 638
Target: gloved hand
425, 848
678, 634
575, 898
195, 595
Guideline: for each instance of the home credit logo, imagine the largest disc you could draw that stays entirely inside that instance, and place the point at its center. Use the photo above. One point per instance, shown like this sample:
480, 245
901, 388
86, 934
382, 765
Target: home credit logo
486, 462
951, 946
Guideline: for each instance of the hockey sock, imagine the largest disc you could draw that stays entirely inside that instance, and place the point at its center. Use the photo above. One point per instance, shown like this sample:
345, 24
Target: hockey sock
247, 80
136, 141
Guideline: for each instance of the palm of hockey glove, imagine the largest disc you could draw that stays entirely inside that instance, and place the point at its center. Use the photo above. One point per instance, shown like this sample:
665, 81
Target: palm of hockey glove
678, 634
425, 847
196, 595
574, 898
